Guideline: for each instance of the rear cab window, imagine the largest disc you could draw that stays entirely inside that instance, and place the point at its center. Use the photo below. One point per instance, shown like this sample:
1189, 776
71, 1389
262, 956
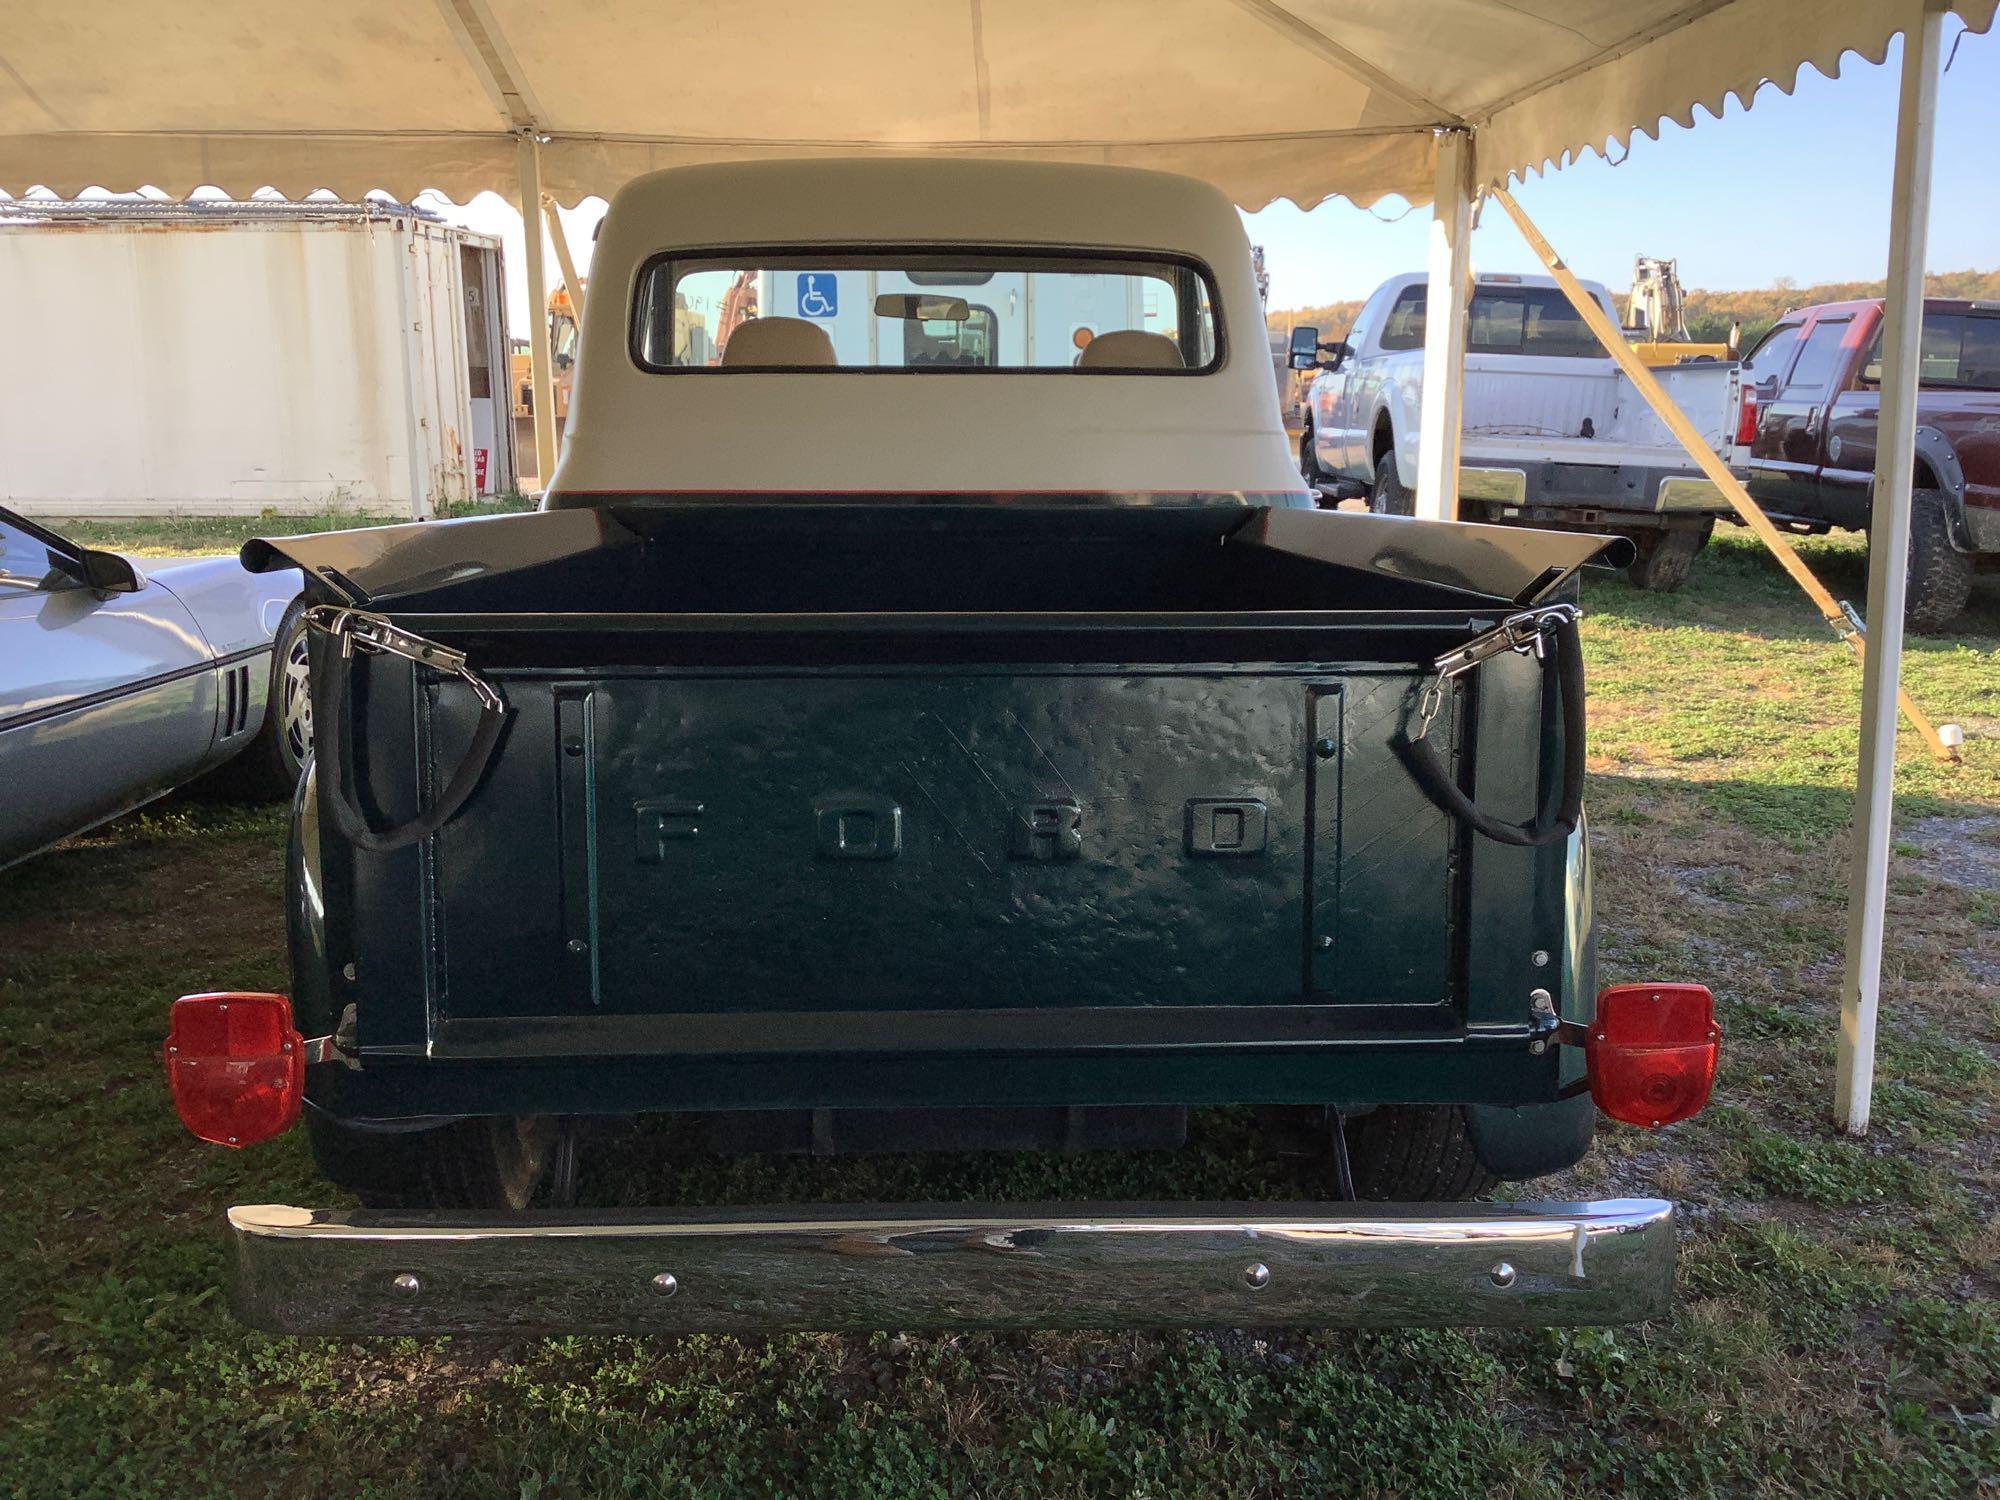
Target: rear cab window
925, 311
1960, 352
1530, 320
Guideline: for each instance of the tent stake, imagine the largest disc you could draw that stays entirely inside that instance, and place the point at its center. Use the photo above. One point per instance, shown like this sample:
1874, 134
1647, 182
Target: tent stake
1713, 468
1888, 564
540, 358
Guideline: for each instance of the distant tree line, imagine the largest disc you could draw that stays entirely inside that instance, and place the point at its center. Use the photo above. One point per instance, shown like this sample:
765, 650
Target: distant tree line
1709, 314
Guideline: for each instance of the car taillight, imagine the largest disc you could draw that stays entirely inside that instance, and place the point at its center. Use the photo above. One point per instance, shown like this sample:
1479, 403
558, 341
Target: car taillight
1651, 1052
1746, 418
236, 1066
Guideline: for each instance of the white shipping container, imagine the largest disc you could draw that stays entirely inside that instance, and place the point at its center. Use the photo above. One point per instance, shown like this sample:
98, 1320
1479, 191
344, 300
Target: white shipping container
229, 359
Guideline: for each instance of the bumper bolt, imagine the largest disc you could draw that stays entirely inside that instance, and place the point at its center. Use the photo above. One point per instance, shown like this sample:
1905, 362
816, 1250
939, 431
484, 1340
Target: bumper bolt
666, 1284
406, 1282
1256, 1275
1503, 1275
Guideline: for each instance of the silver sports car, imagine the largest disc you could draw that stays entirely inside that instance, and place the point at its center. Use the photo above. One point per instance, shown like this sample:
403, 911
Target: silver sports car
118, 684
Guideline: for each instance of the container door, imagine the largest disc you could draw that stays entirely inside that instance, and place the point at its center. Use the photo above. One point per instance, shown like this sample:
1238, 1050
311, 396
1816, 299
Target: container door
485, 364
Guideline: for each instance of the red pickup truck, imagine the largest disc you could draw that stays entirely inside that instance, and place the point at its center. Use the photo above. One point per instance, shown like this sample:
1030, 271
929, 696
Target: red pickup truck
1811, 406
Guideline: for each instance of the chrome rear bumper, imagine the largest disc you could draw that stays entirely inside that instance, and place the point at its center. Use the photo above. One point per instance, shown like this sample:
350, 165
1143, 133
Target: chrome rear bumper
953, 1266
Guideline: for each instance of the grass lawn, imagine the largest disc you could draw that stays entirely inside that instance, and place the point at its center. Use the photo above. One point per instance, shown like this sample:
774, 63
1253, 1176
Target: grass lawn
193, 536
1838, 1330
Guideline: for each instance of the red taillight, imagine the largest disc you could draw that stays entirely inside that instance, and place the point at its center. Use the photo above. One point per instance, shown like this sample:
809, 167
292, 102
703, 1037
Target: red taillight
1651, 1051
236, 1065
1746, 418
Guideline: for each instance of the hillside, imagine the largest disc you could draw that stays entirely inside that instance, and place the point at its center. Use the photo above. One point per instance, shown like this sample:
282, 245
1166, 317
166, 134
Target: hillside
1709, 314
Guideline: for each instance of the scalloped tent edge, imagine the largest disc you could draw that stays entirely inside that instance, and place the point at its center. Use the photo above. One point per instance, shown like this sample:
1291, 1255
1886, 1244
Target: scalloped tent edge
1695, 56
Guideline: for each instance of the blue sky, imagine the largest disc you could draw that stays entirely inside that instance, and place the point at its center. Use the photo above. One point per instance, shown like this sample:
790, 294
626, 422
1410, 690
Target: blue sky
1796, 186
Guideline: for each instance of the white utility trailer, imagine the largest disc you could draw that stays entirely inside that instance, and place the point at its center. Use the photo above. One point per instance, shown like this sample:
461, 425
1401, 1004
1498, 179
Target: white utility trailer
236, 358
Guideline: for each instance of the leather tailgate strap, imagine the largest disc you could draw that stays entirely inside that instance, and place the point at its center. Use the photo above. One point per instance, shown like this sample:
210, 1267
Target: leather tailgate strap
1552, 635
343, 804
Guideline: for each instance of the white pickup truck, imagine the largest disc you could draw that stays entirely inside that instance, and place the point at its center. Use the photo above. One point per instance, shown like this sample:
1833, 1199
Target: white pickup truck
1554, 433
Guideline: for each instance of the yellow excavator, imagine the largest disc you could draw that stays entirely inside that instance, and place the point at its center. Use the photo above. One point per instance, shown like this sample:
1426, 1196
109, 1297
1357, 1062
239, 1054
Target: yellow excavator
741, 303
1656, 317
562, 341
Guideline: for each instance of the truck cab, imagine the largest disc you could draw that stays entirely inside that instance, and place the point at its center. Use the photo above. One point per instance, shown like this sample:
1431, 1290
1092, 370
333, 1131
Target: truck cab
903, 735
1811, 413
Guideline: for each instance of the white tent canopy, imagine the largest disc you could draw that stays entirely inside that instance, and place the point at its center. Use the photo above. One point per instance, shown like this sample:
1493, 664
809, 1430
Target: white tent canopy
1267, 99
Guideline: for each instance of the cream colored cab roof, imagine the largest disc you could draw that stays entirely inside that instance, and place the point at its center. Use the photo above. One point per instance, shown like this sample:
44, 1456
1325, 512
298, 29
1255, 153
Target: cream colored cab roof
816, 431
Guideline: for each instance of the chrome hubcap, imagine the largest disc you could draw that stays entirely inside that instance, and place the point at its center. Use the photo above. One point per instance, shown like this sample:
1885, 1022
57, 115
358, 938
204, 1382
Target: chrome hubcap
295, 709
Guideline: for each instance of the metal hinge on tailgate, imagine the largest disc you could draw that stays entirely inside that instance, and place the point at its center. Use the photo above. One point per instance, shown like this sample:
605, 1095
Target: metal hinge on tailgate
1525, 633
357, 628
1562, 667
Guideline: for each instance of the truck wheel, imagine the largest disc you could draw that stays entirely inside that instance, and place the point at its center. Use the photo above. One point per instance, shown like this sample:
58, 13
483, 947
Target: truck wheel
482, 1162
1940, 579
1665, 559
1415, 1153
1387, 497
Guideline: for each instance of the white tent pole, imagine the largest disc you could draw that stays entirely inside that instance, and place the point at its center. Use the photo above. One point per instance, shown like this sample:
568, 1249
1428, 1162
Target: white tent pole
541, 359
1888, 562
1443, 413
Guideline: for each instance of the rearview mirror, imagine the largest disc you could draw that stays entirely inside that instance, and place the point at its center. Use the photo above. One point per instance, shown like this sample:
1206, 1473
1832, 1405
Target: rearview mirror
913, 307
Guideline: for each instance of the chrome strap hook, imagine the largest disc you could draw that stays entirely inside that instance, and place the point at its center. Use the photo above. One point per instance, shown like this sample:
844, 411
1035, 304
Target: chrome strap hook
370, 632
1524, 633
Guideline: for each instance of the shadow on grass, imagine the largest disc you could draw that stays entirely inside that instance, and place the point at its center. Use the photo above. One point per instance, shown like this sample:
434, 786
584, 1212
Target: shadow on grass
1792, 811
1737, 585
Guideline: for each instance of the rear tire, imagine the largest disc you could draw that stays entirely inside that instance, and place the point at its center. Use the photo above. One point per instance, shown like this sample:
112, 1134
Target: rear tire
1415, 1153
484, 1162
1940, 578
1387, 497
1665, 560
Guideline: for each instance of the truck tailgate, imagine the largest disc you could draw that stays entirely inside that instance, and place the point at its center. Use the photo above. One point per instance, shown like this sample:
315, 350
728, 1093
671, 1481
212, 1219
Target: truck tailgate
1133, 836
1585, 411
1155, 803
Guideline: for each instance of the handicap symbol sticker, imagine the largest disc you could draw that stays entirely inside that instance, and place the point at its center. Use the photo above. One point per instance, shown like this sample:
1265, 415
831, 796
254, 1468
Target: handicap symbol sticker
819, 294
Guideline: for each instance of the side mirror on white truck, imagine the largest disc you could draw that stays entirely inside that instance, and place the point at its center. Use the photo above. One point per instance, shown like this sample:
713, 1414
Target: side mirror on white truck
1306, 350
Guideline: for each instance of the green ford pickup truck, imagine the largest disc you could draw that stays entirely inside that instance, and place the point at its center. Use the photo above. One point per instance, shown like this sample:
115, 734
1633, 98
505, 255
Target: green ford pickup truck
928, 713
